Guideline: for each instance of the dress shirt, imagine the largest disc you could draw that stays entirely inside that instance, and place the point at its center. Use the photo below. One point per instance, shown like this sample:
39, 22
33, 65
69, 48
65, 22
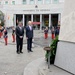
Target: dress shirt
30, 27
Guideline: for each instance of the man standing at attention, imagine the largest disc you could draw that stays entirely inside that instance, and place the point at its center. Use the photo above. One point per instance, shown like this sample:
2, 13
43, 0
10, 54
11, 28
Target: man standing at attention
29, 36
19, 37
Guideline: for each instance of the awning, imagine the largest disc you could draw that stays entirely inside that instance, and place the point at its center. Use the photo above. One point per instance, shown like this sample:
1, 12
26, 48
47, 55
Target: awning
35, 22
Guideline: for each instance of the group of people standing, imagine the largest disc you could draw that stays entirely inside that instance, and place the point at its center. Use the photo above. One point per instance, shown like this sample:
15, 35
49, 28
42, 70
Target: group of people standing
3, 32
29, 35
54, 31
20, 35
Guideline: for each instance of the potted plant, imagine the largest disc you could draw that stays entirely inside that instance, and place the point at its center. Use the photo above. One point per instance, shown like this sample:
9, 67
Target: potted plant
53, 48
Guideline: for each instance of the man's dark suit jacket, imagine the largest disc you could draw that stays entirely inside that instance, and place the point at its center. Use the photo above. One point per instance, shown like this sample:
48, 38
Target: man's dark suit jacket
29, 33
19, 32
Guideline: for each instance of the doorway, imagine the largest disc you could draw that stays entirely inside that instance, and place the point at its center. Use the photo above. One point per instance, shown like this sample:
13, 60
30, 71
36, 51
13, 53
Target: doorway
36, 18
54, 19
19, 17
27, 18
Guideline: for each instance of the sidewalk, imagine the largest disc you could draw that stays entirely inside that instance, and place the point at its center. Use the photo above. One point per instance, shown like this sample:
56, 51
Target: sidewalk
40, 67
12, 63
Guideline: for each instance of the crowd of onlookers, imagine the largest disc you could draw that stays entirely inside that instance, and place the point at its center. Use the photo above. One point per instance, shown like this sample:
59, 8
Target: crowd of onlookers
19, 33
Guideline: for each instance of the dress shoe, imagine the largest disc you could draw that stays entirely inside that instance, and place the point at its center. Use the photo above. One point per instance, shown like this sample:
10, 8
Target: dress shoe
31, 51
21, 52
28, 51
18, 52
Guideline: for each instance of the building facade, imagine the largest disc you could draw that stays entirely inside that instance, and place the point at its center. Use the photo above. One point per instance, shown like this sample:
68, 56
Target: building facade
47, 12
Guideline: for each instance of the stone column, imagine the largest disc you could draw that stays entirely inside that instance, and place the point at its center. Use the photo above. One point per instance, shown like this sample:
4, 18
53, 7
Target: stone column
49, 20
59, 18
14, 20
23, 20
40, 21
32, 17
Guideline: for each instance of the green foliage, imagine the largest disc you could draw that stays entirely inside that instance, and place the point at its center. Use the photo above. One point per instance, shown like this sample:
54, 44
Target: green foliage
2, 23
1, 18
53, 48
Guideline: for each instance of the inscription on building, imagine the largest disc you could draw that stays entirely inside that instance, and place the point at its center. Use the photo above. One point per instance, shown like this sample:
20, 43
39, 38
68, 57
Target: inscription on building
33, 10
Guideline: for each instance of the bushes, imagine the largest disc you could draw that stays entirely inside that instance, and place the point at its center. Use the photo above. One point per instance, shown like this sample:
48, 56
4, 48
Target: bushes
53, 48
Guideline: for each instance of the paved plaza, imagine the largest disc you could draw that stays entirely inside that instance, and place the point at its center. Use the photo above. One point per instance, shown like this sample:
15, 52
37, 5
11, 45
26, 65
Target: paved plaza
12, 63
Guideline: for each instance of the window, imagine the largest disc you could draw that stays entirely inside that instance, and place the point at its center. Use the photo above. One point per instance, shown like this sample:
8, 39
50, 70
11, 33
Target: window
24, 1
40, 2
32, 1
6, 2
0, 3
13, 2
55, 1
47, 1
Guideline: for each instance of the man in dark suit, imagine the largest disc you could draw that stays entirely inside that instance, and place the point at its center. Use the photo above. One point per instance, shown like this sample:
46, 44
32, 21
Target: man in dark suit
29, 36
19, 37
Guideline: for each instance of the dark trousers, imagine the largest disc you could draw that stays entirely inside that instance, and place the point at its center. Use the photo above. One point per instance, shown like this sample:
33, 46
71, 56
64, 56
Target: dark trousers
29, 44
19, 43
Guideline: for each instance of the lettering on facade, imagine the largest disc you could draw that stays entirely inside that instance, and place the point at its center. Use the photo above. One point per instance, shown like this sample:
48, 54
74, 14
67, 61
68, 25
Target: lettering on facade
42, 10
45, 10
37, 10
29, 10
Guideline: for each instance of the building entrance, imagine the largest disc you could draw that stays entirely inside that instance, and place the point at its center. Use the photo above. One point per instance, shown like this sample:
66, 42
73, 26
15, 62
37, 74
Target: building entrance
44, 19
19, 17
36, 18
54, 19
26, 19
